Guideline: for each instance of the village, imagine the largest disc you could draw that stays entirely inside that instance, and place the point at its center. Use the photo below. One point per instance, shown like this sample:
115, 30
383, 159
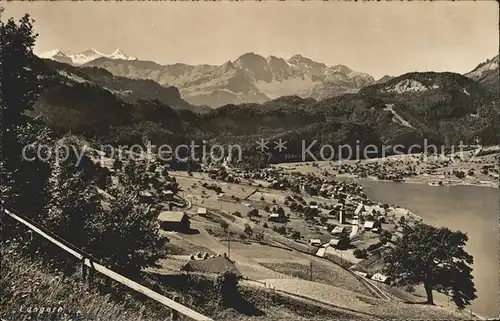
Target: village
306, 207
222, 217
476, 167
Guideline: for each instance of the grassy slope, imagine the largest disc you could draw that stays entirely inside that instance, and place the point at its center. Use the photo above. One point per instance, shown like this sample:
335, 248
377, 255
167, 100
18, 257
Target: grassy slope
29, 282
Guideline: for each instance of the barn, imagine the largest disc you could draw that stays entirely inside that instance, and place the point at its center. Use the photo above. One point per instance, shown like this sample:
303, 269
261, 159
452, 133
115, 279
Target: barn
174, 221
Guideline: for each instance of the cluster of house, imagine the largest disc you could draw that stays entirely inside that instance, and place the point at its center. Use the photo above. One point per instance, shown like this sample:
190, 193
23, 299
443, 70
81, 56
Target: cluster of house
351, 218
384, 171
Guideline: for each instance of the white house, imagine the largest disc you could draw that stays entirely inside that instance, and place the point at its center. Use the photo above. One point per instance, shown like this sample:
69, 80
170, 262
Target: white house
359, 209
380, 278
315, 242
371, 224
337, 230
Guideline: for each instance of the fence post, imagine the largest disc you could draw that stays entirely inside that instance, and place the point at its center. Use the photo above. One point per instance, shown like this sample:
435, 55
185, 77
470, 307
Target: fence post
174, 315
83, 269
90, 273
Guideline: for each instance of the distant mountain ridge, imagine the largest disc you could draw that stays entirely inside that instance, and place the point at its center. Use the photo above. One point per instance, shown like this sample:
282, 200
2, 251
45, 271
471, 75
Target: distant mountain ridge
487, 74
250, 78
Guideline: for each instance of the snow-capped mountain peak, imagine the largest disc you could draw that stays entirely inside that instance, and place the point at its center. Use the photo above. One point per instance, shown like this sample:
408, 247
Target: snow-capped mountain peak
84, 56
52, 53
118, 54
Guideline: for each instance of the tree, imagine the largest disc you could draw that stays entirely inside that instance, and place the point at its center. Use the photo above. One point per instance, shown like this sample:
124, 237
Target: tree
435, 257
279, 229
248, 230
72, 201
117, 164
344, 241
385, 236
226, 285
20, 86
131, 227
310, 213
22, 182
295, 235
253, 212
360, 253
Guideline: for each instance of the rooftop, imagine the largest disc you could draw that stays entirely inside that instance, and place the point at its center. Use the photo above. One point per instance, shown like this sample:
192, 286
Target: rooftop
171, 216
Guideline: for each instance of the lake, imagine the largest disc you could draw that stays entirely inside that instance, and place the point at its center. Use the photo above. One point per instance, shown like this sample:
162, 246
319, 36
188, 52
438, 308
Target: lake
473, 210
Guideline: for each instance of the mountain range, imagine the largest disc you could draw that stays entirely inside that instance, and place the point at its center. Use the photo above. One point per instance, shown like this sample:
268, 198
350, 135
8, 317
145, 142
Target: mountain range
250, 78
442, 107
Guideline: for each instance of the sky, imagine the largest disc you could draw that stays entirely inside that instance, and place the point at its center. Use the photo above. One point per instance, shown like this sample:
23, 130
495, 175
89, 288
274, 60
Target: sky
380, 38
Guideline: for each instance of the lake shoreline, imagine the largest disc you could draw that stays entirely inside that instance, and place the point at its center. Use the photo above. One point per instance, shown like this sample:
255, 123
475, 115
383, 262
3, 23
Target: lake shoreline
470, 209
489, 184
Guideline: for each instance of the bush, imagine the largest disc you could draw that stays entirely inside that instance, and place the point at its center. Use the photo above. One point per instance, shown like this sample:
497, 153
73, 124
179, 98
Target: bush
296, 235
279, 229
224, 226
254, 212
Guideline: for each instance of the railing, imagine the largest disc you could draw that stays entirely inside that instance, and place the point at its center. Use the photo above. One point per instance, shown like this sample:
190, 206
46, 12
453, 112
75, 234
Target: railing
89, 262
